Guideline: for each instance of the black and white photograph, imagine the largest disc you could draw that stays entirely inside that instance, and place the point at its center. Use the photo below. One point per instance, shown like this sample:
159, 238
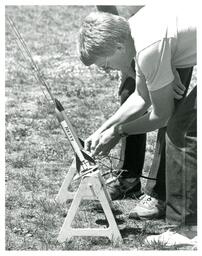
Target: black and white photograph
100, 126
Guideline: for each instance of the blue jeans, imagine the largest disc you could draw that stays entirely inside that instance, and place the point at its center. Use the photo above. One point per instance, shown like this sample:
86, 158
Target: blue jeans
181, 163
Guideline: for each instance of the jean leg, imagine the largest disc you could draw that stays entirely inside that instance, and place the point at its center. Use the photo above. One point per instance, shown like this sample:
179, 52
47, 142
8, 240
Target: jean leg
181, 163
155, 185
133, 146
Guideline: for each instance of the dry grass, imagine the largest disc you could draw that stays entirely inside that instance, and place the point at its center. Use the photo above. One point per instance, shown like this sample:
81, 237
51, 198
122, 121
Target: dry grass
37, 153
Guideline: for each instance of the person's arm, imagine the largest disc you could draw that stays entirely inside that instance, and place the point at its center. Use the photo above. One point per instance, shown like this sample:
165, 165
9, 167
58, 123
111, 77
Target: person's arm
135, 106
163, 106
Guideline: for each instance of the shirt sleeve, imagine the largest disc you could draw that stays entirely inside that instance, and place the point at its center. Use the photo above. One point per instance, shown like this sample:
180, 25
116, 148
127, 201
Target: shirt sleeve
154, 63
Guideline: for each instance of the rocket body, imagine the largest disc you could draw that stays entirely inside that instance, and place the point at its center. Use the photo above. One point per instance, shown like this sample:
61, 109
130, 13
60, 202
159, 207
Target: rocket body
70, 133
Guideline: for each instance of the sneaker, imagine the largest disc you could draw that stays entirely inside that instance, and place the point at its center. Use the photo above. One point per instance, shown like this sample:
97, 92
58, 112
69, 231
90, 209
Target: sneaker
148, 208
123, 187
170, 239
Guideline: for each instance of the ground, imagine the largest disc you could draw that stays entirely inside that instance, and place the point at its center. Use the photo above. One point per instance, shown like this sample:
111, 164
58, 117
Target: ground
37, 153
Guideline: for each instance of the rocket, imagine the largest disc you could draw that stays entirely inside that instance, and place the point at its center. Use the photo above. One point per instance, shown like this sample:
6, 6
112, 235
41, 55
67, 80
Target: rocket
84, 162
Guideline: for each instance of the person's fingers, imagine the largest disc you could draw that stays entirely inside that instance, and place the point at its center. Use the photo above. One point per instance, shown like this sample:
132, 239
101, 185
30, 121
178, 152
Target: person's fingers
105, 152
177, 95
102, 149
97, 150
94, 144
179, 84
179, 90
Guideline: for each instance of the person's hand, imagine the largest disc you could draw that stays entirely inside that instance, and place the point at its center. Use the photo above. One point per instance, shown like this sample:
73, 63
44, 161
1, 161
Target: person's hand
91, 142
107, 141
178, 87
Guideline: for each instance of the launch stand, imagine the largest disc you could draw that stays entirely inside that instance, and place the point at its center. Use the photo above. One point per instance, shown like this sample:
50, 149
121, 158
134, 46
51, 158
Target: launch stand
92, 187
64, 194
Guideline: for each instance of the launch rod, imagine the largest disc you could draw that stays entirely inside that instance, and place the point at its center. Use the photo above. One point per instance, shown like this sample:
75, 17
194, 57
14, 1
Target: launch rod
36, 71
28, 58
66, 125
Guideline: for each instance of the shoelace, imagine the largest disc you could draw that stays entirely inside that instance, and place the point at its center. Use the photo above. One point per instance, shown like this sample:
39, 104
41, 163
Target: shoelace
152, 202
148, 200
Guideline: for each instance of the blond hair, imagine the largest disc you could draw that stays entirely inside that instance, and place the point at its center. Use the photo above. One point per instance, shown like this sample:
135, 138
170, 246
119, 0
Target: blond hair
100, 34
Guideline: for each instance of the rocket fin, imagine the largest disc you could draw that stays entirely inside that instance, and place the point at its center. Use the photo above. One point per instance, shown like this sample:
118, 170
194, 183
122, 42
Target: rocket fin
78, 164
82, 142
88, 157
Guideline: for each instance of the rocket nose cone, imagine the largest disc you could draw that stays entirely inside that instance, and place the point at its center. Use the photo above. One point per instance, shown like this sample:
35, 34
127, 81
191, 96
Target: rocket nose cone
58, 105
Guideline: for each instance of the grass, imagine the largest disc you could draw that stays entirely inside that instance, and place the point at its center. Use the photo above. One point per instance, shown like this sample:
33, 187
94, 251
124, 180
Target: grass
37, 153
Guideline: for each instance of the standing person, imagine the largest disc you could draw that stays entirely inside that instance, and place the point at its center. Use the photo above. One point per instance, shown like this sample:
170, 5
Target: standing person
167, 42
152, 202
132, 147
